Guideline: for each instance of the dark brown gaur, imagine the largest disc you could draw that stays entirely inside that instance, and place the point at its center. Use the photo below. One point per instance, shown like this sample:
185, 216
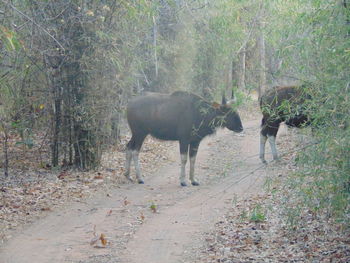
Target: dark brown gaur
281, 104
180, 116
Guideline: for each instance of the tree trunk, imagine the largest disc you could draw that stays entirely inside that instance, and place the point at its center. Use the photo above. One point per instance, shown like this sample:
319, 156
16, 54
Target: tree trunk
155, 47
261, 48
6, 160
70, 140
228, 77
56, 123
241, 69
115, 129
346, 4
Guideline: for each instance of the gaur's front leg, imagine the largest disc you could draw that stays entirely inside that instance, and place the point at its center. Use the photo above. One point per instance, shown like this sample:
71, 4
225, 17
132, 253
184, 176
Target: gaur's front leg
263, 140
135, 156
193, 154
183, 153
128, 158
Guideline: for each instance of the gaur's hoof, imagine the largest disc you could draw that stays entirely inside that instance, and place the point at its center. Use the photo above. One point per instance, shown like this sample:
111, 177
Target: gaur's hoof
183, 184
129, 178
140, 181
263, 160
194, 183
277, 159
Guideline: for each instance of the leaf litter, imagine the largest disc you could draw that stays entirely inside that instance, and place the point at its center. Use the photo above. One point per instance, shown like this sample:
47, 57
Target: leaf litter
255, 228
28, 194
238, 238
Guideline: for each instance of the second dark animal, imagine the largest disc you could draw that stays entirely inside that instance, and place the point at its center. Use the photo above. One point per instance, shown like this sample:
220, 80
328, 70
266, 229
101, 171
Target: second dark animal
281, 104
180, 116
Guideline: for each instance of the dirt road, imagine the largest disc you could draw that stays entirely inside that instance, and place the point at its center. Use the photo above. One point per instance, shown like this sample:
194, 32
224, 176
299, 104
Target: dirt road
156, 222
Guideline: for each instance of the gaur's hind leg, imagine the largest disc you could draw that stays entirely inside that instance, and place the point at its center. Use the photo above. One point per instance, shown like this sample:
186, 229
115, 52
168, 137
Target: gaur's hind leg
132, 152
183, 153
128, 156
268, 131
272, 141
193, 154
263, 139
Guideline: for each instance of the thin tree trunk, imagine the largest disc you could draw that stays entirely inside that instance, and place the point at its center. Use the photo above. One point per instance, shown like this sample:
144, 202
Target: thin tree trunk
57, 125
346, 4
6, 160
229, 81
261, 50
70, 140
261, 47
155, 46
241, 69
115, 129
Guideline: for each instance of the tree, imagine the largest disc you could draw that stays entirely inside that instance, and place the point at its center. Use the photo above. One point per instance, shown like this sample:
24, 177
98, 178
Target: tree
84, 53
312, 49
262, 50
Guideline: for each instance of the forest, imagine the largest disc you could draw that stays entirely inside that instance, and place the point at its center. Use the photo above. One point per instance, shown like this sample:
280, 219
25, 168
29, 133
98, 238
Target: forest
69, 67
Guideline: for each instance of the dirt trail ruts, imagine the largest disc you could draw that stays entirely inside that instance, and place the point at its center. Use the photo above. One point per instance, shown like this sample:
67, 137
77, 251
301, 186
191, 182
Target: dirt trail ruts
134, 232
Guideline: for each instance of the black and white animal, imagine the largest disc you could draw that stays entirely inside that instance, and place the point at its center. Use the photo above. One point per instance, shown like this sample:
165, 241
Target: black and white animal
281, 104
180, 116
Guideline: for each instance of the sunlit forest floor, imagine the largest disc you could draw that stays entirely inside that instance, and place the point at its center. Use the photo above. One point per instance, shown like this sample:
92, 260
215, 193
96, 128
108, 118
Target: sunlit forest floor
267, 227
255, 230
31, 192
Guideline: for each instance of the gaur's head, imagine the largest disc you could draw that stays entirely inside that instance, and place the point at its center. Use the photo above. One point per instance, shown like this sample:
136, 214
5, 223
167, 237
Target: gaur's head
230, 117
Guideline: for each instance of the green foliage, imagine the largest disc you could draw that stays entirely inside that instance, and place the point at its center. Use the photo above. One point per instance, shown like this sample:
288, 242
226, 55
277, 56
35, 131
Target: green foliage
78, 91
243, 216
27, 142
323, 182
240, 98
313, 45
226, 28
153, 207
9, 38
257, 215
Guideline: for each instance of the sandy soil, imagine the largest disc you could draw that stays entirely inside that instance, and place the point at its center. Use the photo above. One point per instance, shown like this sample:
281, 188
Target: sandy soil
155, 222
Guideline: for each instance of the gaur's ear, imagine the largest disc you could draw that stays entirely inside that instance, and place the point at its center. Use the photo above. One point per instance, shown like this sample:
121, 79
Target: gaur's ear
215, 105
